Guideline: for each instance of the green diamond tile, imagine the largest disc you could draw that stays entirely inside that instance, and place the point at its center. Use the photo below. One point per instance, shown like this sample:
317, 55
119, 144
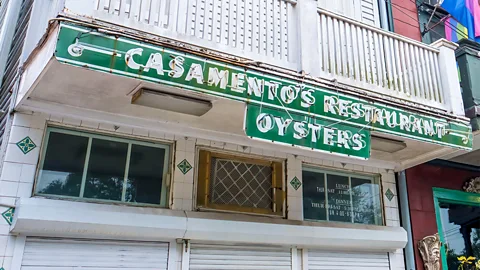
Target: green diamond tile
8, 215
26, 145
389, 194
184, 166
296, 184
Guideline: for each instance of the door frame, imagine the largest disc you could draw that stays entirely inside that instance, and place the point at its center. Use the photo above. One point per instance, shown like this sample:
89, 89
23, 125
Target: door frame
455, 197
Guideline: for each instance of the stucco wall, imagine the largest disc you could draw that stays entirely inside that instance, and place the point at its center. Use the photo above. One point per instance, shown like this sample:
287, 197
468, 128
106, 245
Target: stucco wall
420, 181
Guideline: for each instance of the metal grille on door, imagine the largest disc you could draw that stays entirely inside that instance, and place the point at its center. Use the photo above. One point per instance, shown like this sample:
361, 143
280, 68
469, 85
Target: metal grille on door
340, 260
63, 254
213, 257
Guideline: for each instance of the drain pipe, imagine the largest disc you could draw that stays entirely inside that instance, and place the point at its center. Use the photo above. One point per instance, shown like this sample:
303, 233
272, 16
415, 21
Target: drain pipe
405, 213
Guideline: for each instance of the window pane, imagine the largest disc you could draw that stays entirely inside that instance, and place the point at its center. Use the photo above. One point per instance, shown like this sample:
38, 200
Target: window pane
339, 207
314, 195
461, 230
366, 201
63, 165
145, 174
345, 198
106, 170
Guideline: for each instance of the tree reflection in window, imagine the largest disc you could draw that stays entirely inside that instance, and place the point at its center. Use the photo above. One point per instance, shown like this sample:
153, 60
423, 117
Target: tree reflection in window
104, 168
461, 230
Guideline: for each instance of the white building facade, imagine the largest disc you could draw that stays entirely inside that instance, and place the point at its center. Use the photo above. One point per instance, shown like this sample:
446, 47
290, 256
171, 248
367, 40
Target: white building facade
208, 134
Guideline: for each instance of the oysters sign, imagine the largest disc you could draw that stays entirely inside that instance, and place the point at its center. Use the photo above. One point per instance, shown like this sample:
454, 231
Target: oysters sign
307, 132
128, 57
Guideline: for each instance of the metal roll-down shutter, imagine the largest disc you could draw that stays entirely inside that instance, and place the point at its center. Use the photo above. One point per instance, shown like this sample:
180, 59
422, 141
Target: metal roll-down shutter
63, 254
342, 261
239, 257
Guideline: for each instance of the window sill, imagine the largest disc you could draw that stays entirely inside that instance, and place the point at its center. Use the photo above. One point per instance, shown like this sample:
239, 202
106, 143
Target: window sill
96, 201
211, 210
42, 217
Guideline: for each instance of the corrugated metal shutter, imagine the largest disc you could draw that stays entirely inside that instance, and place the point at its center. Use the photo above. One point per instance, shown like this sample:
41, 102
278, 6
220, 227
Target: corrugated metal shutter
239, 257
9, 80
342, 261
63, 254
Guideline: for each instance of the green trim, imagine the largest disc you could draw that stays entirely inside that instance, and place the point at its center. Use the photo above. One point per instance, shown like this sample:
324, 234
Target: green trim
456, 196
391, 24
450, 196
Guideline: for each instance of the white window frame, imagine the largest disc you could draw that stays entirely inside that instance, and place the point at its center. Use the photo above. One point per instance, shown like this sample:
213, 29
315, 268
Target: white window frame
374, 179
164, 193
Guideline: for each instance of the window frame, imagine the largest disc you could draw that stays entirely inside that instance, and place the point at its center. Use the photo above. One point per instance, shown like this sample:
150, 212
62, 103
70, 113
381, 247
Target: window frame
442, 195
202, 191
164, 193
374, 178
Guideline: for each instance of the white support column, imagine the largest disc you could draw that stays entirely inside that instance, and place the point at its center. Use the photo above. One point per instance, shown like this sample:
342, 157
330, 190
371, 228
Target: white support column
449, 76
304, 259
186, 255
308, 24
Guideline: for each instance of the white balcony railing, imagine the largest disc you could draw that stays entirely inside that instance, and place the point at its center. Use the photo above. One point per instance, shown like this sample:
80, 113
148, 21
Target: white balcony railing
297, 36
263, 30
365, 56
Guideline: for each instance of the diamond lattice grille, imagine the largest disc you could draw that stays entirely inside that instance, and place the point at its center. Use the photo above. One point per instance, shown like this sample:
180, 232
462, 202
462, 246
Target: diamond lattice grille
239, 183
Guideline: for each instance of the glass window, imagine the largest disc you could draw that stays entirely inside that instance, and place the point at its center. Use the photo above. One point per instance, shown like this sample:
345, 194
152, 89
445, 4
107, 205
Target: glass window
228, 182
341, 197
90, 166
461, 231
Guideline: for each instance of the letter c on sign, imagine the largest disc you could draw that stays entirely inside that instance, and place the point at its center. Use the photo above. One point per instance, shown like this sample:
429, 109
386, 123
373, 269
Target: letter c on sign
129, 58
264, 122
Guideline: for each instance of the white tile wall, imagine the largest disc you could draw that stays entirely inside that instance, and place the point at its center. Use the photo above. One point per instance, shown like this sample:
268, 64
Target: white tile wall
18, 173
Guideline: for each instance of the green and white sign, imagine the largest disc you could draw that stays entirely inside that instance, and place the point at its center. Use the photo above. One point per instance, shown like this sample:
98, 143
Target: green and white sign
305, 131
127, 57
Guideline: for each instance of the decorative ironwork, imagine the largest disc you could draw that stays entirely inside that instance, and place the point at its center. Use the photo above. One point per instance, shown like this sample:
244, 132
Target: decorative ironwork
472, 185
241, 184
429, 248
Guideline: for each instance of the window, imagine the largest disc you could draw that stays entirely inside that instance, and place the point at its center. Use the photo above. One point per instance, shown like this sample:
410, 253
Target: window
458, 221
461, 231
84, 165
341, 197
235, 183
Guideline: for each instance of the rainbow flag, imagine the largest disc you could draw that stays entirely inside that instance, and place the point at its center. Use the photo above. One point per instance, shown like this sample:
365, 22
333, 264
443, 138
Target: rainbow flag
467, 12
454, 31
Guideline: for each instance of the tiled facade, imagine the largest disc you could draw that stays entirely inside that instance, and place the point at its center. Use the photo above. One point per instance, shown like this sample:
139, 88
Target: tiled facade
18, 173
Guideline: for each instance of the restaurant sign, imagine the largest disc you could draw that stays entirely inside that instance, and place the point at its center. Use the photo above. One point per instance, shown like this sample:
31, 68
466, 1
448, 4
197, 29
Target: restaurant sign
303, 131
127, 57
